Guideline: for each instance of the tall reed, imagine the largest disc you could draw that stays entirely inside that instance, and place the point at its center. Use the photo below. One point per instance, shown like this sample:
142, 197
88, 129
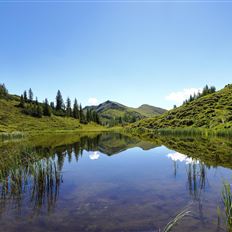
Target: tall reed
227, 202
9, 136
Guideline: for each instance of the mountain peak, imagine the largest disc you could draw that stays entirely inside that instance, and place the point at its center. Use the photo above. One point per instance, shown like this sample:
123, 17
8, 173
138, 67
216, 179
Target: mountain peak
109, 105
113, 111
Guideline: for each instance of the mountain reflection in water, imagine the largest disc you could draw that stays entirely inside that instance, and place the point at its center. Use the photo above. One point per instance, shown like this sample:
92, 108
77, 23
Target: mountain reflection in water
112, 182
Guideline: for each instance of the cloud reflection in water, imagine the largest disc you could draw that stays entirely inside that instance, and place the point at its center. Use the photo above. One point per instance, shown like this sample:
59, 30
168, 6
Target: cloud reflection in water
182, 158
94, 156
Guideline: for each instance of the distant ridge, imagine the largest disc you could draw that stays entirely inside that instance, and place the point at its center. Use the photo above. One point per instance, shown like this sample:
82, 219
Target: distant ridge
113, 113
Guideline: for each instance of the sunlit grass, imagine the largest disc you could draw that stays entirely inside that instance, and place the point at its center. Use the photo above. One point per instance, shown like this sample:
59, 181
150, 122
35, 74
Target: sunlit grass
227, 202
12, 119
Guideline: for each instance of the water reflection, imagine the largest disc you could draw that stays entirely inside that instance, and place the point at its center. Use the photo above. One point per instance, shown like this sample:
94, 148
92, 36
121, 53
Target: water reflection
176, 156
129, 192
32, 175
94, 156
37, 184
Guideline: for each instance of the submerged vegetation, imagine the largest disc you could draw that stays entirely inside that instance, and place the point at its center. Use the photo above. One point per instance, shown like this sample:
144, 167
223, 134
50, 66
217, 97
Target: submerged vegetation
177, 219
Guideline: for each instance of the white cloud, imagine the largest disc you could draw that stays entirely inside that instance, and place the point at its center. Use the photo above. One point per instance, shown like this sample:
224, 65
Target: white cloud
93, 101
94, 155
180, 96
182, 158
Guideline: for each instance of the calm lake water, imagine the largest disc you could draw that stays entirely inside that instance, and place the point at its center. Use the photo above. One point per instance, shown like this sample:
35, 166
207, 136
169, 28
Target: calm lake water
111, 182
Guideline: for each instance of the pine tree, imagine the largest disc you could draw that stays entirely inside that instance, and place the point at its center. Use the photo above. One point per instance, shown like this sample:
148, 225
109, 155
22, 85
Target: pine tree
205, 90
30, 95
88, 115
46, 109
75, 109
68, 107
59, 101
25, 95
36, 101
191, 98
3, 90
212, 89
94, 116
82, 116
52, 105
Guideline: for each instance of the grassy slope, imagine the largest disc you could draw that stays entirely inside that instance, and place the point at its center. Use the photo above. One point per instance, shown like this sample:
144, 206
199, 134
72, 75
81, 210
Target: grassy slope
211, 150
144, 111
111, 110
148, 111
211, 111
12, 119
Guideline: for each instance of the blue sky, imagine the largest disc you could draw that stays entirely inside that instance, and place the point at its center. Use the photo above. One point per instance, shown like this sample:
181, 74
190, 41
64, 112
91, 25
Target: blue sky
130, 52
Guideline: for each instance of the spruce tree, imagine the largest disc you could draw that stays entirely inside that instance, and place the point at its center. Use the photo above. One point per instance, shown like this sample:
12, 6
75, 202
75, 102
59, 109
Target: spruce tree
46, 109
30, 95
75, 109
191, 98
59, 101
88, 115
25, 95
212, 89
3, 90
68, 107
82, 116
94, 116
52, 105
205, 90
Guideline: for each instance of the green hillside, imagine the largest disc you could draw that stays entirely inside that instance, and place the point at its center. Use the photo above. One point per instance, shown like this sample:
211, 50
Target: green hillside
211, 111
113, 113
13, 119
148, 110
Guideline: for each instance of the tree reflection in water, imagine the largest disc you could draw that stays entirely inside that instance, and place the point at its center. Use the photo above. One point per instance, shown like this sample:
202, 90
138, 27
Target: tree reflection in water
33, 176
196, 173
36, 184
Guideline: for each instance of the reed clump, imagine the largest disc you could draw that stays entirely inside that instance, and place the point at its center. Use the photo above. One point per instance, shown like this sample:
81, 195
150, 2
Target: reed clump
10, 136
227, 202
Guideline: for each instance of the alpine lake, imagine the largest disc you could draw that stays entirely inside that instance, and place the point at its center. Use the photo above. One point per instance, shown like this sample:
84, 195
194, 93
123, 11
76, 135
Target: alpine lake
114, 182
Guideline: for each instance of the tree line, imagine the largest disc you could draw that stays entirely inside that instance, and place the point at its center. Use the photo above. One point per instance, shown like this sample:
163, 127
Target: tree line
3, 91
206, 90
31, 106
